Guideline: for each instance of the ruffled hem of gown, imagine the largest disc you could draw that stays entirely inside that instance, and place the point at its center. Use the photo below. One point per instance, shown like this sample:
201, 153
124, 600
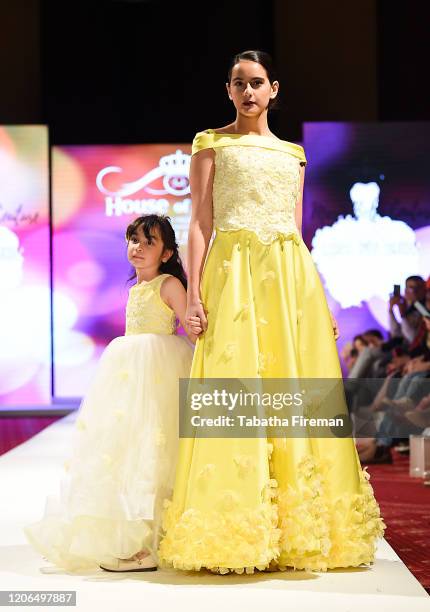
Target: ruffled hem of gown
298, 527
86, 541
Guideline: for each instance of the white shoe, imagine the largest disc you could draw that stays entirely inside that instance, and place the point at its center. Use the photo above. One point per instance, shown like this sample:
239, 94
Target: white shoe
147, 564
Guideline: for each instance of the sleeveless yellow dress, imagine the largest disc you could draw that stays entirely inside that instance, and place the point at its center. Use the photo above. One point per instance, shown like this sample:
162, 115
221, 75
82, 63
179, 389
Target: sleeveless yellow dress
241, 504
123, 458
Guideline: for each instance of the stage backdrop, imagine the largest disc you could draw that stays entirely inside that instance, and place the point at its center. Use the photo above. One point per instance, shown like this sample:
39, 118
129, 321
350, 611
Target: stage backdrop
366, 214
25, 313
367, 197
97, 192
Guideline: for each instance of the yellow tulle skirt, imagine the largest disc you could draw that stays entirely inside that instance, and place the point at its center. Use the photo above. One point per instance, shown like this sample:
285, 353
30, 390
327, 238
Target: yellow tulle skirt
121, 463
242, 504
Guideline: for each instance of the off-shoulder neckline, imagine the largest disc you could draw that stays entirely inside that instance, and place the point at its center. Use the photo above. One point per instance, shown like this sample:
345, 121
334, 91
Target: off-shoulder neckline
210, 139
268, 141
238, 134
275, 139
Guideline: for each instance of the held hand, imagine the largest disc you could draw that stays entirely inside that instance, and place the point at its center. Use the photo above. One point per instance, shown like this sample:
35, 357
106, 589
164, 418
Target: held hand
194, 326
195, 317
335, 326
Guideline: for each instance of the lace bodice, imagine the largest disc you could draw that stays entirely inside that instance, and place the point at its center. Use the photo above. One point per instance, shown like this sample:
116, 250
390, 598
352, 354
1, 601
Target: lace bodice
146, 312
256, 182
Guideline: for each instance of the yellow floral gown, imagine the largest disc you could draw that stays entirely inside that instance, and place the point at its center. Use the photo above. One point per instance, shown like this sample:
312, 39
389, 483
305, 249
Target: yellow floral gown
123, 457
241, 504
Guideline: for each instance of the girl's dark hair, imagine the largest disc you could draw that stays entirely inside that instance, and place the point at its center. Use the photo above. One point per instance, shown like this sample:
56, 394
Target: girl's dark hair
263, 58
149, 222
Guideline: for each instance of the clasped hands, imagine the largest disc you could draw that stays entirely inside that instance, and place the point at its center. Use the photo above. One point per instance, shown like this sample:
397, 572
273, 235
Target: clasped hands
195, 317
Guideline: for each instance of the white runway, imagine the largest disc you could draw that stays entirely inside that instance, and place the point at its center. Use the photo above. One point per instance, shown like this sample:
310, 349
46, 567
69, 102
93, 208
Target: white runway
31, 471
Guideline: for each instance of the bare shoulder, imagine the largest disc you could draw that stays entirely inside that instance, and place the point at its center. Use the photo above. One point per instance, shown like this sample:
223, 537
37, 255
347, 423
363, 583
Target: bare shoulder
227, 129
170, 283
171, 287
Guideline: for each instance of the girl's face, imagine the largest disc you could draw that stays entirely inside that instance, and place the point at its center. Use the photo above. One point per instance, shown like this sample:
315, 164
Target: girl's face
144, 254
250, 89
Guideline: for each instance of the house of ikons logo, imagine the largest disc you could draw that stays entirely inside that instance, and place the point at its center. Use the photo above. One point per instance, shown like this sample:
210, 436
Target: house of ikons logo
173, 169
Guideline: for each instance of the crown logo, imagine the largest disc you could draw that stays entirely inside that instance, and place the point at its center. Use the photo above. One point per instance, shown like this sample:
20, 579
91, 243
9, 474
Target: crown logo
176, 164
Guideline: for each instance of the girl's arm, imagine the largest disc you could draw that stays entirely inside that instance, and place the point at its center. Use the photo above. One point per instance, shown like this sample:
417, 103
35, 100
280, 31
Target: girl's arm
172, 292
299, 203
202, 169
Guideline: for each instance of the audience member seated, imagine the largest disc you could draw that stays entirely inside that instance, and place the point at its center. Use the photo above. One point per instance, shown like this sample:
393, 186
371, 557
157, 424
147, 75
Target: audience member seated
404, 397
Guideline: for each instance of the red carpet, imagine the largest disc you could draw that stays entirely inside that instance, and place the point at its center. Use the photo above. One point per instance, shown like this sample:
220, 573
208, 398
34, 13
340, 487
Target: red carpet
405, 506
14, 431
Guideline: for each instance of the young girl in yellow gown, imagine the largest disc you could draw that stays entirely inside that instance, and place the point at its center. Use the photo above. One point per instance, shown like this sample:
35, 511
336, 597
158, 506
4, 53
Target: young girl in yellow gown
126, 438
241, 504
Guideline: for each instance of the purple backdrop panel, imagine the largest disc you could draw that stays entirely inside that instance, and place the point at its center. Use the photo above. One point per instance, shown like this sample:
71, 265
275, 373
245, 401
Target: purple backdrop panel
25, 312
366, 214
97, 192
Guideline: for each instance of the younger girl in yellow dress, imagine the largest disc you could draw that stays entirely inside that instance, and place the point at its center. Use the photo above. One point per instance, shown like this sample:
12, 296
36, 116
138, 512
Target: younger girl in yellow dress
126, 438
247, 503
